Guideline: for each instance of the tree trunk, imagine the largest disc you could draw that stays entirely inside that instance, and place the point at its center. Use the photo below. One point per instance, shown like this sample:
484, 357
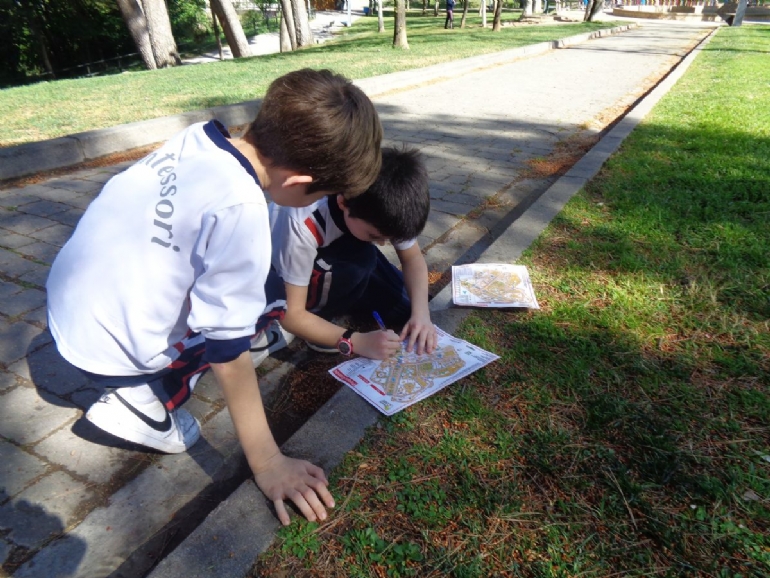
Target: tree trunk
593, 7
527, 8
740, 12
287, 24
380, 18
483, 9
215, 23
465, 13
231, 25
399, 26
497, 23
301, 24
133, 16
161, 38
41, 41
424, 6
435, 8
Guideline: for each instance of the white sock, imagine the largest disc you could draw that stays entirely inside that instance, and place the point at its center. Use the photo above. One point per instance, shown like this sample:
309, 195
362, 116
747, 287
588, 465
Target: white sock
140, 394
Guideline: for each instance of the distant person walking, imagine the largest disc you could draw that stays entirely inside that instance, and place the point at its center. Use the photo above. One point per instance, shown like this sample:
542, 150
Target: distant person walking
450, 16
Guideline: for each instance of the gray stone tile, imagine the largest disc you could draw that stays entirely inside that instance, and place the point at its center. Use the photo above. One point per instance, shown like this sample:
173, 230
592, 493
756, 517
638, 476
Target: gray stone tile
50, 372
17, 198
43, 208
5, 550
95, 462
14, 240
7, 289
449, 207
44, 510
208, 388
37, 277
7, 380
26, 418
22, 302
15, 265
40, 251
16, 340
77, 185
19, 468
70, 218
57, 234
22, 223
37, 317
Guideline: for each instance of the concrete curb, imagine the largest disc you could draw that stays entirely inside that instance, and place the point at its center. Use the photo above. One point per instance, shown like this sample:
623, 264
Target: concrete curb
214, 549
30, 158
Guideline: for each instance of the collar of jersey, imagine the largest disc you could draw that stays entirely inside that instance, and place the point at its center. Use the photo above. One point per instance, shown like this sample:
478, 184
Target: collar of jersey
218, 134
336, 214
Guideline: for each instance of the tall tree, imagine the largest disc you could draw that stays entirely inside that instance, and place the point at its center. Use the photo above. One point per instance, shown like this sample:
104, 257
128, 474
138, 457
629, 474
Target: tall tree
435, 8
161, 38
288, 37
465, 13
593, 7
380, 19
399, 26
133, 15
301, 24
497, 22
231, 25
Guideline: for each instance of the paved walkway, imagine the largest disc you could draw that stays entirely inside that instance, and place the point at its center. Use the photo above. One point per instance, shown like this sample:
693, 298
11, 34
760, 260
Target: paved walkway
74, 502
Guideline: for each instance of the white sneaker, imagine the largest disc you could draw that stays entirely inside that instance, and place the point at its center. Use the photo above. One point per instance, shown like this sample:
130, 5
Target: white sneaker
321, 348
149, 424
271, 340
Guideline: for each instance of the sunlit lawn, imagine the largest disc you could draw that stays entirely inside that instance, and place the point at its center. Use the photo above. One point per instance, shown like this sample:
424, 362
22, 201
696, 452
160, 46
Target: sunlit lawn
625, 431
51, 109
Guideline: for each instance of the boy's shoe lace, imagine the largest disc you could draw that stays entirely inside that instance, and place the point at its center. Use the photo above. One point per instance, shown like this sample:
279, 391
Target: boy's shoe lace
148, 424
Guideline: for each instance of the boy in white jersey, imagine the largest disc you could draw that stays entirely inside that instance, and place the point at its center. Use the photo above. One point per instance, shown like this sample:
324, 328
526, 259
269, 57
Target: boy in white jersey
166, 274
326, 256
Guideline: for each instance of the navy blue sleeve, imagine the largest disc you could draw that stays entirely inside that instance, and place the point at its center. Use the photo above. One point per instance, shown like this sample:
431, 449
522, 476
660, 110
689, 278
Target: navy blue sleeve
224, 350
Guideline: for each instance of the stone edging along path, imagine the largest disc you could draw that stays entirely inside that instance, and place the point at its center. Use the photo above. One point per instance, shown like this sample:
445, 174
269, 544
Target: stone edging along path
30, 158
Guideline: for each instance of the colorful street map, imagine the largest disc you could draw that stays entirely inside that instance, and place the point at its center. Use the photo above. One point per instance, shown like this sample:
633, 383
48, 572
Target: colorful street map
392, 384
492, 285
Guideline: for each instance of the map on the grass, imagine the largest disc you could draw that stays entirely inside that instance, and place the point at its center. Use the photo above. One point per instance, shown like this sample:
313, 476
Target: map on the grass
492, 285
392, 384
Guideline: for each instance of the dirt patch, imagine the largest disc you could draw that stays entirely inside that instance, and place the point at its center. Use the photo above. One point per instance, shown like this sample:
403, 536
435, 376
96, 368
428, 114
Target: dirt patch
306, 389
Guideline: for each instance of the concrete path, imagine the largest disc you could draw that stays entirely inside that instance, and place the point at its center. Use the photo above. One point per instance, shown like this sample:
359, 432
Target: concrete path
74, 502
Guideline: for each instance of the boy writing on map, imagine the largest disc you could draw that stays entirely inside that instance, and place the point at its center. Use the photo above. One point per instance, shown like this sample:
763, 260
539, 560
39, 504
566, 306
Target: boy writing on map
326, 255
165, 274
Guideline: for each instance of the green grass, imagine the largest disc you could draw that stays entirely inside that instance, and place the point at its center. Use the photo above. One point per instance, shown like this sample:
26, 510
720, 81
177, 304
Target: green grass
625, 430
51, 109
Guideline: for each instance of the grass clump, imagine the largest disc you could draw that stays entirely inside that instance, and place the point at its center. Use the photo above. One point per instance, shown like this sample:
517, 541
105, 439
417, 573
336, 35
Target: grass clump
52, 109
625, 431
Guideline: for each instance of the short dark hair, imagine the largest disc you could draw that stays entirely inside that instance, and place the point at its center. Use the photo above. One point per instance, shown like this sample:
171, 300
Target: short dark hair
318, 123
398, 202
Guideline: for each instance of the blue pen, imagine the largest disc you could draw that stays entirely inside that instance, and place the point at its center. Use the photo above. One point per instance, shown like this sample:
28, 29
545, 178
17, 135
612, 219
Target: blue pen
378, 319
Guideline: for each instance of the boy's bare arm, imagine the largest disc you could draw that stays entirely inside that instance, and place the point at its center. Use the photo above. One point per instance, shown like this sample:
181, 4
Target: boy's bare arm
278, 476
306, 325
419, 329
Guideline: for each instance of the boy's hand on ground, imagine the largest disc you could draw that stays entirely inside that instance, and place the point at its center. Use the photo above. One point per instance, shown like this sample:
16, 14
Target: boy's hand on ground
284, 478
421, 334
377, 344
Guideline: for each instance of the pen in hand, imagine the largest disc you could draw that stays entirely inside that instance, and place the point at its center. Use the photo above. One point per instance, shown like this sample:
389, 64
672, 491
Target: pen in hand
379, 321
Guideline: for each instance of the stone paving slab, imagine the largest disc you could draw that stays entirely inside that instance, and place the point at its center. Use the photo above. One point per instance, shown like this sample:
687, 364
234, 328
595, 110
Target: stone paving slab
476, 147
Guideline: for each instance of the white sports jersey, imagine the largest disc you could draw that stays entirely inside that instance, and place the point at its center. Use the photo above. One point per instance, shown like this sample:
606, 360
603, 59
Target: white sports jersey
179, 241
298, 233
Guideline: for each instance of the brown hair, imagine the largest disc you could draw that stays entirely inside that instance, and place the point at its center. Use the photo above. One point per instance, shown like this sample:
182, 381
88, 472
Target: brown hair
317, 122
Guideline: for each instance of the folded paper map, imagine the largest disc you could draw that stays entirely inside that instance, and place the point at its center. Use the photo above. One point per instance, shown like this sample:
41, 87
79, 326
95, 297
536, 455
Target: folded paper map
492, 285
392, 384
